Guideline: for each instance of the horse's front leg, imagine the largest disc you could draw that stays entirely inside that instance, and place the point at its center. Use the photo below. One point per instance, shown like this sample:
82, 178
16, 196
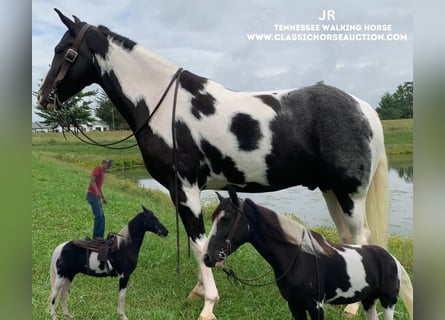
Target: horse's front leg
190, 212
123, 281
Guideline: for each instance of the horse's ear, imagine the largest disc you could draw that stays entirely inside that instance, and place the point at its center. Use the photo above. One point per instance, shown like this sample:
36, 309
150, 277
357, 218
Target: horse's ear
233, 195
76, 19
144, 208
220, 197
66, 21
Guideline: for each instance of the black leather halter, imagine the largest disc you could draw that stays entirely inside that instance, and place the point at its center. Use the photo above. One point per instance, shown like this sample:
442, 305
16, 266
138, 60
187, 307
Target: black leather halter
70, 57
239, 213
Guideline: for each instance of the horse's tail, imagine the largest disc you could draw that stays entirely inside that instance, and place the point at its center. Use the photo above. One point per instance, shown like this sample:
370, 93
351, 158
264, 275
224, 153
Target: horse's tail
377, 204
406, 289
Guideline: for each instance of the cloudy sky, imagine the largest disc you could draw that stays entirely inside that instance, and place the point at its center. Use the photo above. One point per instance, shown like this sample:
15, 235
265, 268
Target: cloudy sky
209, 38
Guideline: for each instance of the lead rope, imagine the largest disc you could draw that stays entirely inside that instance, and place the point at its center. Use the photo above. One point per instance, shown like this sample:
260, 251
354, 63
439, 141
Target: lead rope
111, 144
231, 274
175, 164
317, 270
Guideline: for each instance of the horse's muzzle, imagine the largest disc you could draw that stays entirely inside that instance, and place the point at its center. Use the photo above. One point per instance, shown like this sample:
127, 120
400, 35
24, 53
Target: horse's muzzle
217, 260
49, 102
208, 261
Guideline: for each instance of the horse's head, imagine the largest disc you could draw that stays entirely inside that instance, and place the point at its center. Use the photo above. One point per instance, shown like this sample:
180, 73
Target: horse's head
230, 230
152, 223
73, 66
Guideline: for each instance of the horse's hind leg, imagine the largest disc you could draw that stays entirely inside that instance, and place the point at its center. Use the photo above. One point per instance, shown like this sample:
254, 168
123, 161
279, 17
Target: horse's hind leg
338, 216
370, 309
64, 297
358, 226
298, 312
388, 313
351, 228
55, 290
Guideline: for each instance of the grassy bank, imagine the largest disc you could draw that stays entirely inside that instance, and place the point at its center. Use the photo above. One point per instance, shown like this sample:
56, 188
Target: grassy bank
398, 136
60, 173
398, 142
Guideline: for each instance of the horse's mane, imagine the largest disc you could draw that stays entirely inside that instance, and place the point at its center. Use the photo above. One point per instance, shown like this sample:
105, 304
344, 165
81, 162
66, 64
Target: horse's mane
121, 40
283, 229
268, 223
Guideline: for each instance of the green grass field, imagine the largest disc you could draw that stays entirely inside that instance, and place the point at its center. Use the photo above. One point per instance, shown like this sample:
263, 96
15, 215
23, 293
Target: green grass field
398, 136
60, 174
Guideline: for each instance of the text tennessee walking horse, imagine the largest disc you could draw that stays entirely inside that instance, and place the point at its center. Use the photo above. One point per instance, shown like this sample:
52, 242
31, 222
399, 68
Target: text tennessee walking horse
194, 134
73, 257
309, 269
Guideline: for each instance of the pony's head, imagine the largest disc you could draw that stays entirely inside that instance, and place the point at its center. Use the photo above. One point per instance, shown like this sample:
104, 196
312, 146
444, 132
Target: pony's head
152, 223
229, 231
73, 66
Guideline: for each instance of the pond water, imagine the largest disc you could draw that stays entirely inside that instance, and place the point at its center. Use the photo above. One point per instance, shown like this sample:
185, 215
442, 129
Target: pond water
311, 207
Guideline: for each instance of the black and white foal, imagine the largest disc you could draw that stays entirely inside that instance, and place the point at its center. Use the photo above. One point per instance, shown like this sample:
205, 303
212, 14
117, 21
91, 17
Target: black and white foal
69, 259
309, 269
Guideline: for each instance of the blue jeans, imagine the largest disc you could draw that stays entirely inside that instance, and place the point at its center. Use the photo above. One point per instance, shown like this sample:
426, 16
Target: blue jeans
99, 216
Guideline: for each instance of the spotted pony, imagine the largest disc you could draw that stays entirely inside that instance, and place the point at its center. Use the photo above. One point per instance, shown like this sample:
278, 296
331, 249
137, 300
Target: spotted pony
73, 257
194, 134
309, 269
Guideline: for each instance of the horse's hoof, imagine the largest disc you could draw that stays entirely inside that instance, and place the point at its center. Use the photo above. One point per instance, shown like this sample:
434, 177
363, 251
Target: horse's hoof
205, 318
351, 310
349, 315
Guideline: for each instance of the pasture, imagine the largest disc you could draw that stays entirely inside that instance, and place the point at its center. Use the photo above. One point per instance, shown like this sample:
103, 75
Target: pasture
60, 175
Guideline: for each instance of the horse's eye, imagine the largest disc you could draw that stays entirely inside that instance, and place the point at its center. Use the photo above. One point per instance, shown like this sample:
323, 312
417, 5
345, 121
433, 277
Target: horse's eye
57, 50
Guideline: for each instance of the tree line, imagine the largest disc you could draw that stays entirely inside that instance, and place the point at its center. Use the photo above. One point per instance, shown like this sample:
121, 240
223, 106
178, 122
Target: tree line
396, 105
79, 108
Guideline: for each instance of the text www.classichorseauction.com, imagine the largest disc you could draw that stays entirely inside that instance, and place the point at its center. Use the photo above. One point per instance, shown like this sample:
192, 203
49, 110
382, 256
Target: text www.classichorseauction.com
329, 32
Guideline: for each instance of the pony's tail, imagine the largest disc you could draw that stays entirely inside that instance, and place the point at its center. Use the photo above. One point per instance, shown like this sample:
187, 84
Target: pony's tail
377, 204
406, 290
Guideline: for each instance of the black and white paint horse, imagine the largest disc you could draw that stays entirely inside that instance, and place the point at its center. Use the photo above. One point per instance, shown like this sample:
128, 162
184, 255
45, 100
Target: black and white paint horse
68, 259
309, 269
317, 136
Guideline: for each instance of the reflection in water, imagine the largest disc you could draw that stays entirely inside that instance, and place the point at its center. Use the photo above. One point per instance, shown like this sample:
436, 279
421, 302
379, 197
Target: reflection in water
311, 207
406, 173
404, 167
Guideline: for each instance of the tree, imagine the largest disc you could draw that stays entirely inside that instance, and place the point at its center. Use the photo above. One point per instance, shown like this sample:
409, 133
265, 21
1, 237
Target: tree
107, 112
404, 98
77, 107
398, 105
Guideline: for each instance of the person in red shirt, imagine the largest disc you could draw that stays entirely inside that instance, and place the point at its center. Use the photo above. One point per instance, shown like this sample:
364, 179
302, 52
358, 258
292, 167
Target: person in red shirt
95, 197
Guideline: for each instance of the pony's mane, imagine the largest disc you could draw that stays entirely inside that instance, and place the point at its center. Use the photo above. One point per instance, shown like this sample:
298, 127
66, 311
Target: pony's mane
125, 233
117, 38
286, 230
273, 226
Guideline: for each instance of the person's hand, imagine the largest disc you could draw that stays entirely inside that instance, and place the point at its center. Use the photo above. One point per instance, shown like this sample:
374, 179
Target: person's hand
104, 200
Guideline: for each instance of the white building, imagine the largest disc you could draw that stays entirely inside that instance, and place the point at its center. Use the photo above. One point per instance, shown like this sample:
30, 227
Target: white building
94, 126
